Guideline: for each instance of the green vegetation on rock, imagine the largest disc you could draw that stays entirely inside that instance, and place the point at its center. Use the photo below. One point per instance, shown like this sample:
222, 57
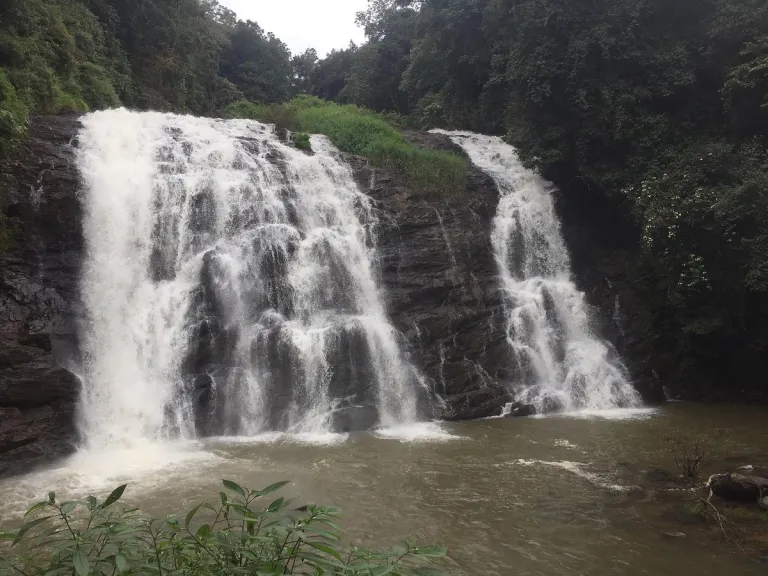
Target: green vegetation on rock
301, 141
245, 532
358, 131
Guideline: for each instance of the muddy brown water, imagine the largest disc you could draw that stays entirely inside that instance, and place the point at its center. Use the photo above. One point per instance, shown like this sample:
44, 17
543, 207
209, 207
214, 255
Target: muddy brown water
538, 496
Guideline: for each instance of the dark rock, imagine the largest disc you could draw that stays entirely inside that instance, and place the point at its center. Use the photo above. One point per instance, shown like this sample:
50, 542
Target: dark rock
520, 410
439, 276
738, 487
482, 403
551, 404
38, 297
355, 418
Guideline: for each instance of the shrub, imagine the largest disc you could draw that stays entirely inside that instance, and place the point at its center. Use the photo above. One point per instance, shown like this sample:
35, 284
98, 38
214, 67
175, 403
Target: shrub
359, 131
690, 452
239, 535
301, 141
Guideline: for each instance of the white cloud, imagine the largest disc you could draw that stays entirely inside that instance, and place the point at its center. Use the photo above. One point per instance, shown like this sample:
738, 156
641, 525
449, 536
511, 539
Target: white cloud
302, 24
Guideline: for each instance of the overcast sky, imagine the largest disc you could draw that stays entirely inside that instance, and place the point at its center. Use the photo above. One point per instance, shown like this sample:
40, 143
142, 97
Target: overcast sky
301, 24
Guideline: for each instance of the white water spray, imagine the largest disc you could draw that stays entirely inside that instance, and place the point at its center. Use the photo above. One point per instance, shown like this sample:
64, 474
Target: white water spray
229, 285
561, 364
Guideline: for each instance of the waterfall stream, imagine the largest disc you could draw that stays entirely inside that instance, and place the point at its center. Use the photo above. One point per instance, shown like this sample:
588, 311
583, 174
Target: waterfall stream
229, 286
562, 365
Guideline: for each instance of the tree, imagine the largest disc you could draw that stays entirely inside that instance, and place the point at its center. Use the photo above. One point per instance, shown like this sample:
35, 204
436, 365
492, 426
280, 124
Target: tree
303, 72
374, 78
257, 63
329, 77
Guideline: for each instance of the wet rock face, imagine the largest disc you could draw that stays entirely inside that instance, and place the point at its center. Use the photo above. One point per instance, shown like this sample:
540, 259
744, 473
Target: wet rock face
38, 298
441, 285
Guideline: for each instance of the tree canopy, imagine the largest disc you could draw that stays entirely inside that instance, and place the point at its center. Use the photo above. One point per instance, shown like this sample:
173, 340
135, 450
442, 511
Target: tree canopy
191, 56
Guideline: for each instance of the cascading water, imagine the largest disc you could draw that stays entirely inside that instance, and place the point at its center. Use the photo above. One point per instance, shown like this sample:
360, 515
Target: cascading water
561, 364
229, 286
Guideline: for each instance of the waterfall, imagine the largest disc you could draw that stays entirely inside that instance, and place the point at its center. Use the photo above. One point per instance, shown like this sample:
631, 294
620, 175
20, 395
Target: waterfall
229, 286
562, 365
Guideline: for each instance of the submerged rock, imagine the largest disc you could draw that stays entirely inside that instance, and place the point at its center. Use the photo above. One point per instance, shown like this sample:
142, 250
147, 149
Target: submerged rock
520, 410
355, 419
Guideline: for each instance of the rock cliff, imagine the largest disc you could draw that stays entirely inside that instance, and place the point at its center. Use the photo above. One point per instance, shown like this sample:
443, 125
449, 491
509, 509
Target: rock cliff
38, 297
437, 271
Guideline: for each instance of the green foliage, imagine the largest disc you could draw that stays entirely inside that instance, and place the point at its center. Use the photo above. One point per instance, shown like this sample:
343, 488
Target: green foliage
361, 132
329, 75
183, 55
51, 50
257, 63
246, 532
13, 114
301, 141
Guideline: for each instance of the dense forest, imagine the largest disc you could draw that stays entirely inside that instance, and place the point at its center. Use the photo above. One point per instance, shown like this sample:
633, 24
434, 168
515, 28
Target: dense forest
661, 106
178, 55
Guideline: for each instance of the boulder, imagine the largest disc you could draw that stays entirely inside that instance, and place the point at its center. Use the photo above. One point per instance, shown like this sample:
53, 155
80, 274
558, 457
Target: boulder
551, 404
738, 487
520, 410
483, 403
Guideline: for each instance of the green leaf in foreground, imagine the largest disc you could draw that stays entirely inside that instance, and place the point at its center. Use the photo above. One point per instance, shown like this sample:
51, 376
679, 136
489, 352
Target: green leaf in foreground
80, 562
121, 563
191, 514
117, 493
239, 538
36, 507
273, 487
325, 548
234, 487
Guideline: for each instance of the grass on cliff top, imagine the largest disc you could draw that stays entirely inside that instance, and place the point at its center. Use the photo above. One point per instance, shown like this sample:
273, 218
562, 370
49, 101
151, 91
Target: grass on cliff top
358, 131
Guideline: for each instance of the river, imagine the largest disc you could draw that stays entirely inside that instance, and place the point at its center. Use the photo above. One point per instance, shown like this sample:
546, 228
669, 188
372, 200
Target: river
506, 496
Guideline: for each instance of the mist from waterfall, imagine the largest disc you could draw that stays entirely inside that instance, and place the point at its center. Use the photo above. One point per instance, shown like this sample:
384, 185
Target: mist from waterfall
229, 286
561, 364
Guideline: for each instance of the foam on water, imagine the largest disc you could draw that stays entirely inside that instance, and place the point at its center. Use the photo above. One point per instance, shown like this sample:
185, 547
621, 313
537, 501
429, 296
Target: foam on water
418, 432
606, 414
576, 468
308, 438
145, 466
